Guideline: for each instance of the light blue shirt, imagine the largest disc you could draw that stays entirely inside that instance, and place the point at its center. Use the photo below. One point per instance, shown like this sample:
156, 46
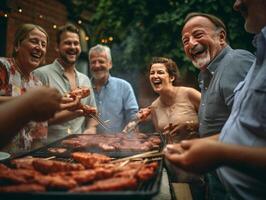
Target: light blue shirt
53, 75
247, 126
116, 102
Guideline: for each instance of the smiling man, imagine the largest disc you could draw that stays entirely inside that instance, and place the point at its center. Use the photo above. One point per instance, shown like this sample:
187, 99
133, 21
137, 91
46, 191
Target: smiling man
115, 98
62, 74
204, 40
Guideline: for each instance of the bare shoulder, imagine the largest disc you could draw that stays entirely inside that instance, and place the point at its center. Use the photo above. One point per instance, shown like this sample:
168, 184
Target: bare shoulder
155, 103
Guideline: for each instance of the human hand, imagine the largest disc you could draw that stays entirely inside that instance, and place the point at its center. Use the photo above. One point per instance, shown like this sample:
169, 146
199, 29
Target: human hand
69, 103
180, 128
198, 155
43, 102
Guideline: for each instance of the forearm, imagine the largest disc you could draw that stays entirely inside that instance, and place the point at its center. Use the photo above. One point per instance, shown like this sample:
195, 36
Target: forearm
241, 157
14, 115
4, 99
213, 137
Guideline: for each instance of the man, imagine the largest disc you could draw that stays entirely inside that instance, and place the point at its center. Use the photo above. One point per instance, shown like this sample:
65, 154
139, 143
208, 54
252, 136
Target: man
115, 97
62, 74
240, 154
221, 69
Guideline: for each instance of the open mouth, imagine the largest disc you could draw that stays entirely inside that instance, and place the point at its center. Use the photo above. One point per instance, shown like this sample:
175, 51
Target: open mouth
156, 82
198, 51
36, 56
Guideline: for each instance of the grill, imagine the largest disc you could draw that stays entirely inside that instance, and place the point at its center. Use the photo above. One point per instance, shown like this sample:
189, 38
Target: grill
144, 190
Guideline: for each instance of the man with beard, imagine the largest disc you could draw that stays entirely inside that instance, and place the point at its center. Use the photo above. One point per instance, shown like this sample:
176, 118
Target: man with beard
204, 40
240, 153
115, 97
62, 74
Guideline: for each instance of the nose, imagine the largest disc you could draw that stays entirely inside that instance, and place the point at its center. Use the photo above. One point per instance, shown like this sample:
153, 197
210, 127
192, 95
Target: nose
237, 5
192, 42
40, 46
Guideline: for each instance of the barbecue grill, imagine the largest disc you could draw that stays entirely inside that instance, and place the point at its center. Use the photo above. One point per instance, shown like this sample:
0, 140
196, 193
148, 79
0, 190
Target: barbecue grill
144, 190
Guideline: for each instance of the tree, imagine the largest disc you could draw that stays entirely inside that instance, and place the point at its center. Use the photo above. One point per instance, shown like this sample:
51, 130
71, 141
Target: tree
142, 29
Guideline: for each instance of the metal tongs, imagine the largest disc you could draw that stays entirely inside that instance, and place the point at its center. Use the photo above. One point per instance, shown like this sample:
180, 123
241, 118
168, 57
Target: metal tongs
98, 119
131, 126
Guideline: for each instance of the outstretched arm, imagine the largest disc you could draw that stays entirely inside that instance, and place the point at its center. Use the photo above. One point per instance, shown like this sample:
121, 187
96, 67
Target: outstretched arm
14, 114
203, 155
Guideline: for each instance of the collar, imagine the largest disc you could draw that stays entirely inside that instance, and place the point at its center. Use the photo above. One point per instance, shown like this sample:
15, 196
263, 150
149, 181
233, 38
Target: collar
216, 61
106, 83
59, 68
259, 42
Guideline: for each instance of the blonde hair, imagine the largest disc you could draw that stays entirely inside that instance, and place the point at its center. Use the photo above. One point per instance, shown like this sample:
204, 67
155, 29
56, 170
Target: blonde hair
22, 33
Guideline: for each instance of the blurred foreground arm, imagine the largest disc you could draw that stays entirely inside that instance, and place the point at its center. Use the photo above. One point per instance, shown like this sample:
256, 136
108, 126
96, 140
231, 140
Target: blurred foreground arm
203, 155
38, 104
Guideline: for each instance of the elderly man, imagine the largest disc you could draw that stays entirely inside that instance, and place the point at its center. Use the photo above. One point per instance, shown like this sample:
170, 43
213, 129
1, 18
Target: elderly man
115, 97
62, 74
221, 69
240, 154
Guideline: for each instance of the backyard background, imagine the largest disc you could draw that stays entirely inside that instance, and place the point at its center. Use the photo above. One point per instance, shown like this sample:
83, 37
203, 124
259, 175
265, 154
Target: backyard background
135, 30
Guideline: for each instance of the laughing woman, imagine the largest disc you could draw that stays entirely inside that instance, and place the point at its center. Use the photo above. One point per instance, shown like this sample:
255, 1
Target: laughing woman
174, 112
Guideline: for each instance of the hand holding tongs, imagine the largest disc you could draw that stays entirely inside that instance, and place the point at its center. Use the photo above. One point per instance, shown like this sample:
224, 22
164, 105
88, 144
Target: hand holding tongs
98, 119
131, 126
142, 115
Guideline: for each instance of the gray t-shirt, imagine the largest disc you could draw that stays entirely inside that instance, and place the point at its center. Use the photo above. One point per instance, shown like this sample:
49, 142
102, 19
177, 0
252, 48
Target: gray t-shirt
217, 84
52, 75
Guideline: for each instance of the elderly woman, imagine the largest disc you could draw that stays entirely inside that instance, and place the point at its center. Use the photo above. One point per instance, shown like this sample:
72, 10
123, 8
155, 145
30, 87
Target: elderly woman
174, 112
16, 78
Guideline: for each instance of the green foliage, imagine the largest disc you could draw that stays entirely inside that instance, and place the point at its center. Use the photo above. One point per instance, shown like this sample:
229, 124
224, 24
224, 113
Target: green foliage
145, 28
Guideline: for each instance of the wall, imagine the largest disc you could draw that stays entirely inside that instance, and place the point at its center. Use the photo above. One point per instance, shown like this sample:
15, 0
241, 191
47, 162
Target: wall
45, 13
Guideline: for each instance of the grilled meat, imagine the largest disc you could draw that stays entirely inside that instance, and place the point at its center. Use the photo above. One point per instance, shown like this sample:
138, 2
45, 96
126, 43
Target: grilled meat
89, 159
111, 184
23, 188
50, 166
83, 92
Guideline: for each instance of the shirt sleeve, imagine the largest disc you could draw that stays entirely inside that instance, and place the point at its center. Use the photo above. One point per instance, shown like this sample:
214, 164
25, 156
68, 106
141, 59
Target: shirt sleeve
233, 74
130, 103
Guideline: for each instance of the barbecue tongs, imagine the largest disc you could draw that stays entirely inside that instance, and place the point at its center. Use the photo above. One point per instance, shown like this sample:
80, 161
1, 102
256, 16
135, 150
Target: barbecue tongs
98, 119
131, 126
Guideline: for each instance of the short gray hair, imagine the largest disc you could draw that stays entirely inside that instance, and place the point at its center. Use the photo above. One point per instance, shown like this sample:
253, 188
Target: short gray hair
99, 49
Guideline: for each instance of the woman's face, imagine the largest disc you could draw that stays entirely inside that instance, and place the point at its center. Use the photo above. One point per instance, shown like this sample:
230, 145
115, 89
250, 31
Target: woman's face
31, 51
159, 77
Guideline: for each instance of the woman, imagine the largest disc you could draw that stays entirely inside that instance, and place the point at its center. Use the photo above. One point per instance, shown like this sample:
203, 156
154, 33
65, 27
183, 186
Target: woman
174, 112
16, 78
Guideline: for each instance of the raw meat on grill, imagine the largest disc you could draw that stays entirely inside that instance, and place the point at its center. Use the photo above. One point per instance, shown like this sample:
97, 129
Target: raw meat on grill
18, 175
116, 142
111, 184
24, 163
50, 166
81, 177
56, 182
89, 159
53, 175
23, 188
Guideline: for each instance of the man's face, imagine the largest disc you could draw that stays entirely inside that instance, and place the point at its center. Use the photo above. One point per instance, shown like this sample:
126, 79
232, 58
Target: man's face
201, 41
69, 48
254, 13
99, 65
31, 51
